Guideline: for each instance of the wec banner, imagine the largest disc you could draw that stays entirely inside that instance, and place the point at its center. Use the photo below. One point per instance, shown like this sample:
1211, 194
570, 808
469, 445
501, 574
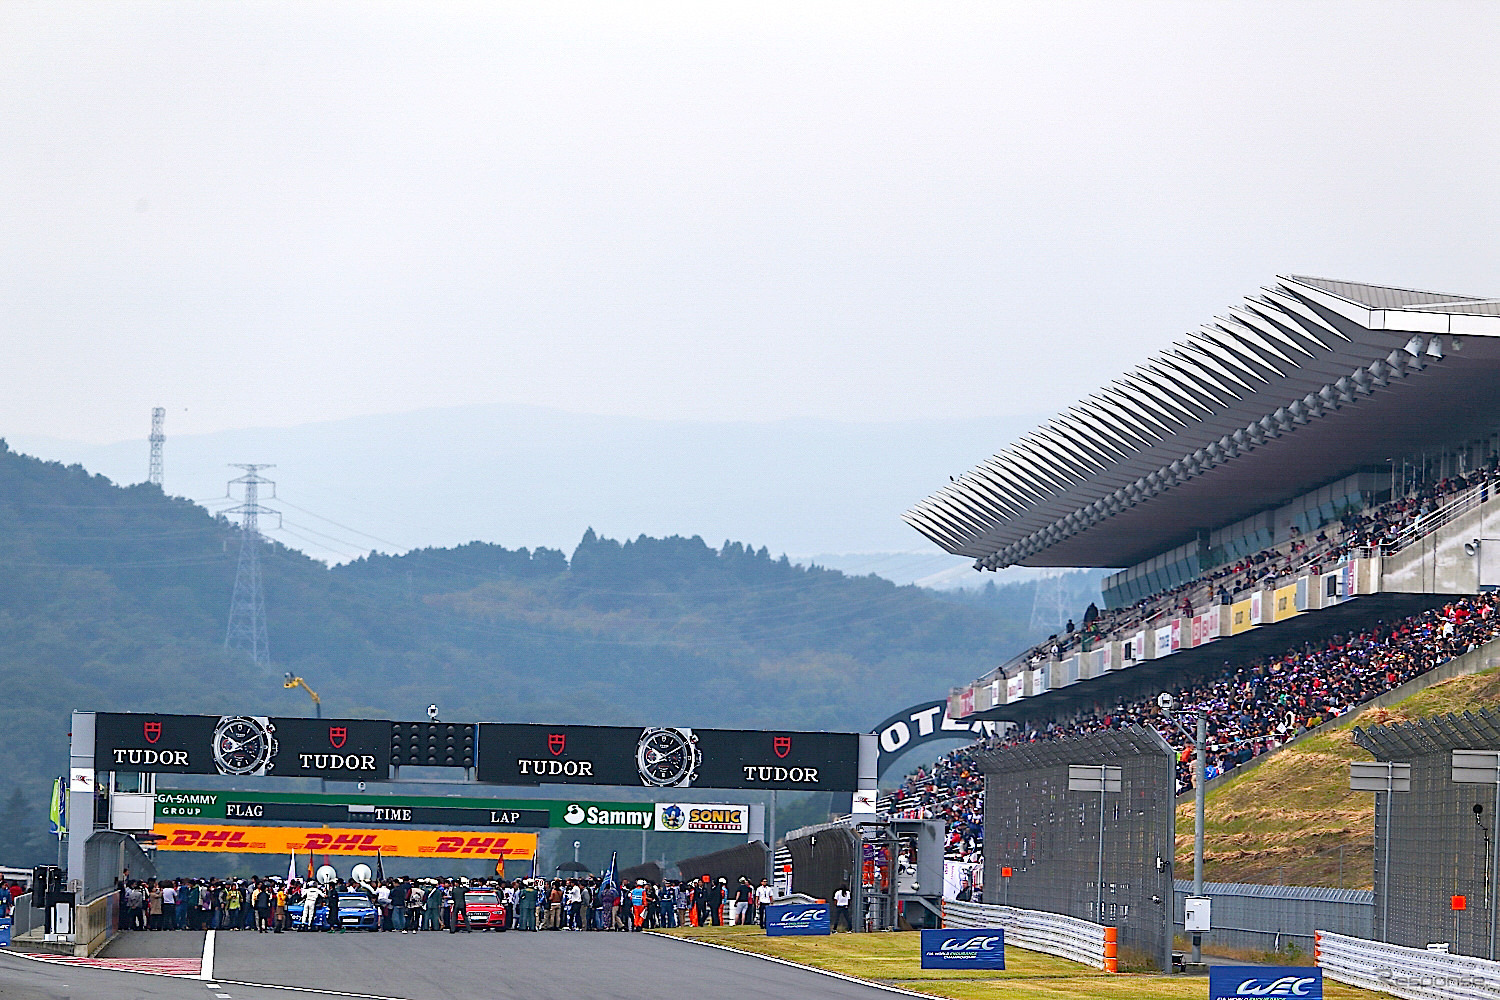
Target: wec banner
1233, 982
788, 919
220, 838
982, 948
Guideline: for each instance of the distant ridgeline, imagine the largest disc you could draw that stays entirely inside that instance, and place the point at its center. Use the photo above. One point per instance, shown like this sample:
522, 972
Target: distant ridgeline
116, 598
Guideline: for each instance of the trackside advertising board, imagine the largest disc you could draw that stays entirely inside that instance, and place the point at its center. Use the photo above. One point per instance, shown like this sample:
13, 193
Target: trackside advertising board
363, 842
1236, 982
786, 919
982, 948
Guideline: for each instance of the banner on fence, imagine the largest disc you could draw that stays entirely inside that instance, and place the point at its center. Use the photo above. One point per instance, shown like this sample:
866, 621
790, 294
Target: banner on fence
361, 842
979, 948
1232, 982
797, 918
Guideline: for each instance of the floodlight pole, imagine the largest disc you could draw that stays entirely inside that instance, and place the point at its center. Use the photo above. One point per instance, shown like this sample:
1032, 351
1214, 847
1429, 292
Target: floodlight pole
1200, 738
1103, 783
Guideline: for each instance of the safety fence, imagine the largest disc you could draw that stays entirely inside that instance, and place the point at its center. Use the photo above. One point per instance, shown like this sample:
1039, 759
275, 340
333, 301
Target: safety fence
1067, 937
1411, 973
1275, 917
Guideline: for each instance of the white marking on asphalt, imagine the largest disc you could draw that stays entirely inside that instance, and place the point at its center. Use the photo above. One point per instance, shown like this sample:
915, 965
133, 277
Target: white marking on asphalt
325, 993
206, 970
797, 965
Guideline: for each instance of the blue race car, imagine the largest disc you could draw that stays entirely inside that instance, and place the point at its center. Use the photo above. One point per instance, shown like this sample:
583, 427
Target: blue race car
356, 912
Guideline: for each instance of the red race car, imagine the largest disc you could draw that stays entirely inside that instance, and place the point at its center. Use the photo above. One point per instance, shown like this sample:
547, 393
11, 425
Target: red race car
484, 909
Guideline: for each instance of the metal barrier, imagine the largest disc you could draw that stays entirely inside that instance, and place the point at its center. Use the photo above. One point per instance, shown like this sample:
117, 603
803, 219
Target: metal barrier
1412, 973
1269, 917
1076, 940
24, 919
1043, 848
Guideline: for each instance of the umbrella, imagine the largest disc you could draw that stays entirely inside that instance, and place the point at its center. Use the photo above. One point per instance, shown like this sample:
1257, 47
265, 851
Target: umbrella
573, 866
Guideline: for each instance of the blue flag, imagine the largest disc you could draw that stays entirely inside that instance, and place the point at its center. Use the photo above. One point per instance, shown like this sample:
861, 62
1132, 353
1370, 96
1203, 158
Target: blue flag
609, 873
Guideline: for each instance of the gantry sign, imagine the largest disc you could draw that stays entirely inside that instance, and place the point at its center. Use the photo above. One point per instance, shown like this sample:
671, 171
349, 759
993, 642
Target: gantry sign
499, 753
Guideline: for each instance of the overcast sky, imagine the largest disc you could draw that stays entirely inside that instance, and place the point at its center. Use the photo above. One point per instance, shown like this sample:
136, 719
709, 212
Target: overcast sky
268, 214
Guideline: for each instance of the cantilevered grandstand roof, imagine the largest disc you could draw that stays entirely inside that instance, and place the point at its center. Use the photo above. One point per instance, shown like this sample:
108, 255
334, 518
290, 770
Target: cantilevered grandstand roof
1297, 385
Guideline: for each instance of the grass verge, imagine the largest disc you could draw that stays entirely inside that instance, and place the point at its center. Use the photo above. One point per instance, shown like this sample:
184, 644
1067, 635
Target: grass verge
895, 959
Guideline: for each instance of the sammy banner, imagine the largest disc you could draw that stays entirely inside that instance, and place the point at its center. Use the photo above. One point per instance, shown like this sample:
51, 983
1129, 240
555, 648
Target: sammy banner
982, 948
786, 919
1231, 982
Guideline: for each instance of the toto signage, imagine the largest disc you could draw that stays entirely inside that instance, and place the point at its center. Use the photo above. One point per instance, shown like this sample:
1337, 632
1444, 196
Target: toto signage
1232, 982
785, 919
982, 948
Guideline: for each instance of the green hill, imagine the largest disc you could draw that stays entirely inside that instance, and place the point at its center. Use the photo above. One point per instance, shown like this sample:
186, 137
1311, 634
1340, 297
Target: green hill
115, 598
1293, 819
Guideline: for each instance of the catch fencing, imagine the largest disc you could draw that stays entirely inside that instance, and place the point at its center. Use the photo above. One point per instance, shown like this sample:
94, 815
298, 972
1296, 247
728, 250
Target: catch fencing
1272, 917
1410, 973
1430, 845
1042, 845
1076, 940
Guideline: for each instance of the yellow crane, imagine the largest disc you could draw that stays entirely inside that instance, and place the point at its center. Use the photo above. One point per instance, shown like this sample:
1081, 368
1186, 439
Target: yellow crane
293, 681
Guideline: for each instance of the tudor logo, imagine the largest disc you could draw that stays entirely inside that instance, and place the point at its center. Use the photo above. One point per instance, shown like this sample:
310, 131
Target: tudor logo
337, 735
782, 745
153, 731
556, 742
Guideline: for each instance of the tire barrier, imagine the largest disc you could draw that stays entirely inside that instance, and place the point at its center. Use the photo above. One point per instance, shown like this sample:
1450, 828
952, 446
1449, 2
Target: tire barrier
1411, 973
1067, 937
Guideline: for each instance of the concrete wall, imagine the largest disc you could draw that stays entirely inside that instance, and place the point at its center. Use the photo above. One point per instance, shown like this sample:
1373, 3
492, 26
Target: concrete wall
1438, 563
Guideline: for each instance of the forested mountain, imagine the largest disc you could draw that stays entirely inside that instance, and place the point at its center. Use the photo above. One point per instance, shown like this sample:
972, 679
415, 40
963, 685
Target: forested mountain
115, 598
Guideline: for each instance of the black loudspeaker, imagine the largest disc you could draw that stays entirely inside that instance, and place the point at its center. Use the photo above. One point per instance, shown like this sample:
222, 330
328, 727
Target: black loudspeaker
46, 880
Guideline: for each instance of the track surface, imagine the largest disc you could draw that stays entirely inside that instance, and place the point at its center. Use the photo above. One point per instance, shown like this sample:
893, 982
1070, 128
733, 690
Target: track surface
430, 966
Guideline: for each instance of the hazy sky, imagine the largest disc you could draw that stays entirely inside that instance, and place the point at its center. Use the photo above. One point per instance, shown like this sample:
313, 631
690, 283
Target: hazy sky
260, 213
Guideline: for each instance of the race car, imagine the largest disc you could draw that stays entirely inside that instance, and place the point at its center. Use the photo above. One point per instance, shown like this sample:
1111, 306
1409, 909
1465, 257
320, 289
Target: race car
356, 912
485, 910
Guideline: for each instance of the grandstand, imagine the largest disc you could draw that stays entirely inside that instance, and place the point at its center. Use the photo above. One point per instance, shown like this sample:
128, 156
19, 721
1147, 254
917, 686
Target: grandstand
1297, 499
1318, 460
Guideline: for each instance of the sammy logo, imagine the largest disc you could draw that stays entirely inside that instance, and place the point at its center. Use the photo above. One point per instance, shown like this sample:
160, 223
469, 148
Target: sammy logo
970, 945
801, 918
1286, 986
574, 814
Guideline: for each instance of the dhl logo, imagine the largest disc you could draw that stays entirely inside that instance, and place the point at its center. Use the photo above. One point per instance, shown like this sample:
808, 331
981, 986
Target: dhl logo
331, 843
224, 840
470, 845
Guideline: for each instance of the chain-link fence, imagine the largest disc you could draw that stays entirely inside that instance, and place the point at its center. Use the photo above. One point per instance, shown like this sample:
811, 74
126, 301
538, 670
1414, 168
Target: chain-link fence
1048, 838
1434, 844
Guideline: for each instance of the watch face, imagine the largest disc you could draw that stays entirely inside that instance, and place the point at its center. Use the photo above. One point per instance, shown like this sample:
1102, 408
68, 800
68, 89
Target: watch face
243, 744
667, 757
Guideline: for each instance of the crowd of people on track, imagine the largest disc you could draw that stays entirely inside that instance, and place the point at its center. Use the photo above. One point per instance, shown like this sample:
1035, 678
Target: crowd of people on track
1250, 709
410, 905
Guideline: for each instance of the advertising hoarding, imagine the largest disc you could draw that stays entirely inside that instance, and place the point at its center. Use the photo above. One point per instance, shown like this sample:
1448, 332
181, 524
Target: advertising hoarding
1232, 982
797, 919
243, 745
982, 948
364, 842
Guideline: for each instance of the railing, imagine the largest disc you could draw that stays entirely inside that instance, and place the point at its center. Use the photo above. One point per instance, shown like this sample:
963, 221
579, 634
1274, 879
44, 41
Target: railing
1428, 523
1067, 937
1412, 973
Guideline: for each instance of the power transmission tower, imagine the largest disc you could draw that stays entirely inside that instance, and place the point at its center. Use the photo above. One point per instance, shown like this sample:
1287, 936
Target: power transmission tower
247, 609
158, 418
1048, 609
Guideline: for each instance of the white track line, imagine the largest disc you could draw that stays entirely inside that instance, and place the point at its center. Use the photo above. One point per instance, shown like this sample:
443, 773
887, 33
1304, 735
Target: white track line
797, 965
206, 970
177, 975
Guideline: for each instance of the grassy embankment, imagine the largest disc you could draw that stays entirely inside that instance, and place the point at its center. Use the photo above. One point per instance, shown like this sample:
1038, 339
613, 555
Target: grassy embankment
1285, 821
895, 959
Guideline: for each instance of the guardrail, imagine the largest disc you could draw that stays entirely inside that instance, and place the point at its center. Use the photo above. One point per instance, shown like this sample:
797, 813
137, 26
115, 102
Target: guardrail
1428, 523
1067, 937
1412, 973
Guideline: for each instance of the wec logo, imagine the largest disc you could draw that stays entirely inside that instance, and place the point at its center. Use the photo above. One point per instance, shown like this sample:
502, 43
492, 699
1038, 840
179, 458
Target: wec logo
1229, 982
1285, 986
801, 918
972, 944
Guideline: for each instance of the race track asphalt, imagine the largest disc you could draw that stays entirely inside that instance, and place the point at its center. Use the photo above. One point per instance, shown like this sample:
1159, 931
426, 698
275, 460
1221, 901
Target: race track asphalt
429, 966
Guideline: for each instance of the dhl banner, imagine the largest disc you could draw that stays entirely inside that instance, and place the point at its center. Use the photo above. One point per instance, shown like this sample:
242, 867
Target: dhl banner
220, 837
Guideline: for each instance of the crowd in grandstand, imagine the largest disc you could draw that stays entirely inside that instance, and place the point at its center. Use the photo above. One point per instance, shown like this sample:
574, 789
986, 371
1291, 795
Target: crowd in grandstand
407, 905
1250, 709
1377, 527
